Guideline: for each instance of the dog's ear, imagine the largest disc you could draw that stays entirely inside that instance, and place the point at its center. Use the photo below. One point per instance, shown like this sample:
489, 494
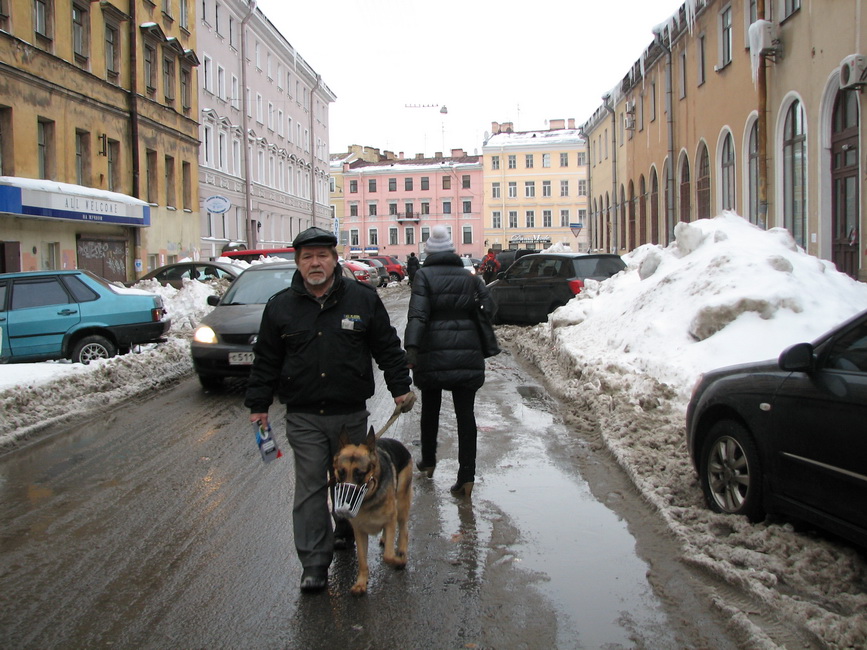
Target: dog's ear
371, 440
342, 437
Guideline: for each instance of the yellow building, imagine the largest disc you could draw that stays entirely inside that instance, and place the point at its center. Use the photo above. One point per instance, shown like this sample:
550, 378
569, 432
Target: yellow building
535, 187
98, 135
728, 112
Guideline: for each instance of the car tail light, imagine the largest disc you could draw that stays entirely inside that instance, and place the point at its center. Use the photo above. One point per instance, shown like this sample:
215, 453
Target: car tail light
361, 275
576, 286
157, 314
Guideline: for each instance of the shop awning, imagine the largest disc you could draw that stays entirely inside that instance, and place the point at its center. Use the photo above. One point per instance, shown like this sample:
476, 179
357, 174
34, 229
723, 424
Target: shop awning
30, 197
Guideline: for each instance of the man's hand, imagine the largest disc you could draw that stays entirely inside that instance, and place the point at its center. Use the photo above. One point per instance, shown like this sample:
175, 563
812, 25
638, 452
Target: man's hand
261, 418
405, 402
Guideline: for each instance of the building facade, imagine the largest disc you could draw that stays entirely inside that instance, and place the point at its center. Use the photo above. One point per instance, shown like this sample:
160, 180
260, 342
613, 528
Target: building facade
98, 134
740, 105
390, 206
535, 187
263, 109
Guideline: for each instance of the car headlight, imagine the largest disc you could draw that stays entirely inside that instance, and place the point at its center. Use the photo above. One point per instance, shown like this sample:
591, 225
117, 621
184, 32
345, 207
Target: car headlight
204, 334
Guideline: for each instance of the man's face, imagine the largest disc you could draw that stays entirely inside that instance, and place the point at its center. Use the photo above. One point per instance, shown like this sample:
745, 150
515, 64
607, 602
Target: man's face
316, 264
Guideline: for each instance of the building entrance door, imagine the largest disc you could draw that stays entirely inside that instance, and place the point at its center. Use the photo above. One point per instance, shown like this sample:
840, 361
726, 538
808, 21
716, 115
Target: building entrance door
105, 257
844, 180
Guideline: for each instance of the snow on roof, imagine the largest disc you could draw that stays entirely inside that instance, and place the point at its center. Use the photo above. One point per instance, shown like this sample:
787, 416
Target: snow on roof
68, 188
542, 138
424, 164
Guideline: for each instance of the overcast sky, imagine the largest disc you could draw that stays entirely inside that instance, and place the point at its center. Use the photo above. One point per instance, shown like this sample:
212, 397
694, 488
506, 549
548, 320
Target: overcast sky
485, 61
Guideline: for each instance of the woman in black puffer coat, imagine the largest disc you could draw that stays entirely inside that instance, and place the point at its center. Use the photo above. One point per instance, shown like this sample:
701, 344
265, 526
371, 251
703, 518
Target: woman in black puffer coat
444, 350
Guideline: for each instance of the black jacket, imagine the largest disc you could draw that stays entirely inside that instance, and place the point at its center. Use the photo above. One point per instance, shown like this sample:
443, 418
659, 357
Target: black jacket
442, 338
317, 357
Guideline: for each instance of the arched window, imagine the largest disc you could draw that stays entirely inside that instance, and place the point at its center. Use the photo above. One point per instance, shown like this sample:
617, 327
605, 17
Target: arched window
654, 206
727, 171
795, 173
685, 212
642, 210
702, 184
844, 178
753, 177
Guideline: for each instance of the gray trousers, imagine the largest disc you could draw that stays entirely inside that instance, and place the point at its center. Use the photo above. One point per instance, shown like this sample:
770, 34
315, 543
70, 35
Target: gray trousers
313, 439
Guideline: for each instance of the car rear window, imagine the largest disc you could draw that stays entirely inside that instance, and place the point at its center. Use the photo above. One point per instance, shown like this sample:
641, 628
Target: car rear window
597, 267
79, 290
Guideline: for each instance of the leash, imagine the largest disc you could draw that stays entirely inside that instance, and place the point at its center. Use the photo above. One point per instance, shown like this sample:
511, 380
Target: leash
404, 407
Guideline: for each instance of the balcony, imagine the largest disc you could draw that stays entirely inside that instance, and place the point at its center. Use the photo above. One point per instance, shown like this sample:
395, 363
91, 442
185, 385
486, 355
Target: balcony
404, 217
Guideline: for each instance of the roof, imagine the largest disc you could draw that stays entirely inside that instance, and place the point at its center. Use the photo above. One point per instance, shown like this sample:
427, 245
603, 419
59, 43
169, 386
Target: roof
535, 138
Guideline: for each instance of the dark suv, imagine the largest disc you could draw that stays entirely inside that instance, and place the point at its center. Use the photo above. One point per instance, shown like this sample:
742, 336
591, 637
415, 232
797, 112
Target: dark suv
74, 314
535, 285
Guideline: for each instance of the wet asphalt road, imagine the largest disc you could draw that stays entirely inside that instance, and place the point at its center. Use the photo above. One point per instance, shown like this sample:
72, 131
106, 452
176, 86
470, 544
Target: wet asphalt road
157, 525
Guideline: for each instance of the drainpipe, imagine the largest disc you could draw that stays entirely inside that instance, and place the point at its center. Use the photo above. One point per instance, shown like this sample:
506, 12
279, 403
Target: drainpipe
252, 234
313, 153
133, 127
614, 240
762, 89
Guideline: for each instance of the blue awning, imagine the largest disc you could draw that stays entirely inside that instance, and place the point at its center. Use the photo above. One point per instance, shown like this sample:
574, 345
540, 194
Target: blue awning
30, 197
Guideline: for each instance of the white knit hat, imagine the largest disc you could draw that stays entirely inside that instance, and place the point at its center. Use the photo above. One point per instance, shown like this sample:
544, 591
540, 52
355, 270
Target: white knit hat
439, 241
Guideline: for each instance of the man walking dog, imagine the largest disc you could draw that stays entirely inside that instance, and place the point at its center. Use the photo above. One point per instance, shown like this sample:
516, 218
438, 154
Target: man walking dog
315, 349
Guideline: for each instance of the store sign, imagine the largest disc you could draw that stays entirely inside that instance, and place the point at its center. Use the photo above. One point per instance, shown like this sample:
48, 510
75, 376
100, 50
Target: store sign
217, 204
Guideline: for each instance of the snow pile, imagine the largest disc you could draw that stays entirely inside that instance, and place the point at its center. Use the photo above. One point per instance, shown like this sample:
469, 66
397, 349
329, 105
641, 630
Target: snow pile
625, 355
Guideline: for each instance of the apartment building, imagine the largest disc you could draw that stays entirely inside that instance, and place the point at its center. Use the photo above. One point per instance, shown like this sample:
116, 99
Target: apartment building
535, 187
336, 186
264, 163
740, 105
391, 205
98, 134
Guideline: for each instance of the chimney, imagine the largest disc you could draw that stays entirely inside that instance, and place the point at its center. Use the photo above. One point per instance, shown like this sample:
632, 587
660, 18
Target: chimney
400, 155
458, 153
388, 155
571, 122
506, 127
495, 128
438, 154
419, 156
555, 125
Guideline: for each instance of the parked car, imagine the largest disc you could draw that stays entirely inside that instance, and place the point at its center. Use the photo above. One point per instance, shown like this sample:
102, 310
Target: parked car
362, 272
74, 315
787, 436
507, 258
396, 269
222, 344
253, 255
379, 267
175, 274
469, 265
537, 284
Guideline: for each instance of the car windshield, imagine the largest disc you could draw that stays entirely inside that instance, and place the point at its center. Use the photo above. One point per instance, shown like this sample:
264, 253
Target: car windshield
255, 287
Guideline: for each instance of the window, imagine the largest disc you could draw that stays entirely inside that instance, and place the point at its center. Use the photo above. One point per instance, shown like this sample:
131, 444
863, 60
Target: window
425, 182
169, 79
447, 207
353, 209
546, 160
529, 189
496, 219
582, 158
260, 109
82, 157
700, 60
791, 6
112, 51
271, 116
186, 87
43, 20
392, 209
652, 108
392, 236
513, 189
726, 36
465, 181
425, 207
795, 173
222, 152
409, 235
408, 209
45, 148
80, 32
546, 188
353, 237
495, 190
187, 189
467, 235
528, 161
447, 182
513, 162
371, 185
495, 162
170, 181
184, 14
727, 165
513, 218
167, 7
564, 159
564, 188
236, 94
753, 176
530, 219
392, 185
564, 218
546, 219
468, 207
407, 184
221, 82
582, 187
207, 145
371, 209
683, 74
702, 184
113, 155
151, 176
373, 237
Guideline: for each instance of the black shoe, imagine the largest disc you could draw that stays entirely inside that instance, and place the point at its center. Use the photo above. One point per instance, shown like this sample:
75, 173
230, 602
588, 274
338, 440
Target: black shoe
314, 579
462, 489
426, 469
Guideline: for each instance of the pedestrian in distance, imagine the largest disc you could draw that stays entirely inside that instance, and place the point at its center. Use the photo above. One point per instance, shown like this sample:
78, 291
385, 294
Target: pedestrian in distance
412, 264
315, 348
444, 351
490, 266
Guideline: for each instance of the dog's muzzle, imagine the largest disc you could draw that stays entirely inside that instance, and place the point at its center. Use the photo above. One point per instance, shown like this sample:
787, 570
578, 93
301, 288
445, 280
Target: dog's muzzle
347, 498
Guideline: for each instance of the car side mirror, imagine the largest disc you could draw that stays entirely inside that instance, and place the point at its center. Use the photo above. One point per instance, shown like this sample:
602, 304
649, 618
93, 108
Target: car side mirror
797, 358
213, 301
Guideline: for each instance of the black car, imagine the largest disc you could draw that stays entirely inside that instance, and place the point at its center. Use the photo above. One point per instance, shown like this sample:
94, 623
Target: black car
536, 284
789, 436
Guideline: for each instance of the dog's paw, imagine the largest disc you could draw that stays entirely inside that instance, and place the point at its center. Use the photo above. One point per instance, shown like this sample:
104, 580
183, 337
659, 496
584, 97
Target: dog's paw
398, 561
358, 589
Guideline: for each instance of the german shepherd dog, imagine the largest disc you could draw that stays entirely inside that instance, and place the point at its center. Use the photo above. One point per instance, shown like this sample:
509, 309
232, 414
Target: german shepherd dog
385, 465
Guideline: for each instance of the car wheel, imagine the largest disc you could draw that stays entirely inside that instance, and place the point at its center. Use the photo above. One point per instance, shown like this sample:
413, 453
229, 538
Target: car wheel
730, 473
93, 347
209, 382
394, 277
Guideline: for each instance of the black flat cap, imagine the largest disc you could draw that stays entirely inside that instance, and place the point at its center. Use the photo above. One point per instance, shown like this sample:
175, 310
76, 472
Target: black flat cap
314, 237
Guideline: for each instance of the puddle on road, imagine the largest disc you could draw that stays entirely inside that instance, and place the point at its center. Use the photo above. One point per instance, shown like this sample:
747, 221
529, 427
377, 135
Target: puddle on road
584, 549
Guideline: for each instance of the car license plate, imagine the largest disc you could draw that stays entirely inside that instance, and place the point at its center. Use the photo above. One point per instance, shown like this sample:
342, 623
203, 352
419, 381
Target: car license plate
240, 358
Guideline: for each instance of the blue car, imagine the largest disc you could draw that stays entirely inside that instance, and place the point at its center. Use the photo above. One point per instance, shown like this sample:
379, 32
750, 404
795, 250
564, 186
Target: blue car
74, 315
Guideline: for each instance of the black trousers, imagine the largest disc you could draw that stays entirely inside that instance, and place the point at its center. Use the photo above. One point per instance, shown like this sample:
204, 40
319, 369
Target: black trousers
464, 401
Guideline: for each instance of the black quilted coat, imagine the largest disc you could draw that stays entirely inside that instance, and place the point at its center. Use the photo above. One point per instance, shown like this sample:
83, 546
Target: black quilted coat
441, 337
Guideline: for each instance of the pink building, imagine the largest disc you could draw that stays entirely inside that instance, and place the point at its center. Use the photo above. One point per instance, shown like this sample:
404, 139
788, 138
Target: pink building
390, 206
